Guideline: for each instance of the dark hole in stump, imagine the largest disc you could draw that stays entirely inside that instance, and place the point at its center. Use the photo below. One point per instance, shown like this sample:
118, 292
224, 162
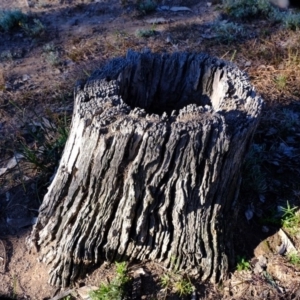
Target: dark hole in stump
163, 83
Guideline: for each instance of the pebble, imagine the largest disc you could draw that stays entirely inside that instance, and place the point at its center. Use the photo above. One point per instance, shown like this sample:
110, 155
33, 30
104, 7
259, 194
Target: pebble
248, 64
25, 77
265, 229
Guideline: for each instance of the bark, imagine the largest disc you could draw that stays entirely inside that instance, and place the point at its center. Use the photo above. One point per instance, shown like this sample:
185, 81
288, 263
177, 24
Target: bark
151, 167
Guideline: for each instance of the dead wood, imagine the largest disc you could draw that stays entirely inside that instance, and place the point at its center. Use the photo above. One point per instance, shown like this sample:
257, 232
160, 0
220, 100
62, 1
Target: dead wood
151, 167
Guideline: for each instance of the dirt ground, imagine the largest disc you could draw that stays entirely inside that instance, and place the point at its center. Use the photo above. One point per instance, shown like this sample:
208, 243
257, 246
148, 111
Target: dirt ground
38, 70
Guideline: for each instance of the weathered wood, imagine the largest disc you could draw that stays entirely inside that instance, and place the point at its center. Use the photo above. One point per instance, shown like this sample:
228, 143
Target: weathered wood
151, 167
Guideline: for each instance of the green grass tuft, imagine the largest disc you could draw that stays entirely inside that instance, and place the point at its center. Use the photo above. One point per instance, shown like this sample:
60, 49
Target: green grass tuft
242, 264
10, 19
145, 33
113, 290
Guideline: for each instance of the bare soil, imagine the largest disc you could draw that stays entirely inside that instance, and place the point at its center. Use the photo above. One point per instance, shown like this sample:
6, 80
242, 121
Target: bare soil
37, 76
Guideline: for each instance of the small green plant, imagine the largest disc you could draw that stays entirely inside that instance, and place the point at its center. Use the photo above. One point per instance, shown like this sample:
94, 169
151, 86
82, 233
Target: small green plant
291, 20
294, 258
145, 33
34, 29
147, 6
113, 290
228, 31
183, 287
48, 138
242, 264
10, 19
290, 219
51, 55
241, 9
247, 9
271, 218
175, 282
280, 81
53, 58
49, 47
6, 55
14, 296
165, 281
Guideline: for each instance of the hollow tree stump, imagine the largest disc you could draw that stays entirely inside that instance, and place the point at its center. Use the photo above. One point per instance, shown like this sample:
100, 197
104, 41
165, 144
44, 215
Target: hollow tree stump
151, 167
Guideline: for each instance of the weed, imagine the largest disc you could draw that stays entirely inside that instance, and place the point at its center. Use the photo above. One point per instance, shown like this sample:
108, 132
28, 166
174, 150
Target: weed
290, 219
51, 55
49, 47
2, 81
6, 55
145, 33
175, 282
34, 29
288, 19
280, 81
291, 21
14, 287
53, 59
241, 9
11, 19
290, 119
242, 264
272, 218
183, 287
114, 289
47, 140
227, 32
147, 6
294, 258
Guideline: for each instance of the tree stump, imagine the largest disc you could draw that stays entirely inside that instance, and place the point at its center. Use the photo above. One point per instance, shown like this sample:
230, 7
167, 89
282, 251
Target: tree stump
151, 167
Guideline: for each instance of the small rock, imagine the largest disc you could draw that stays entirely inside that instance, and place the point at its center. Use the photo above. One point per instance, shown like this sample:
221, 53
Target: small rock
8, 86
69, 63
75, 22
25, 77
156, 21
262, 198
286, 243
169, 39
2, 171
260, 264
248, 64
249, 212
84, 292
57, 71
14, 160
